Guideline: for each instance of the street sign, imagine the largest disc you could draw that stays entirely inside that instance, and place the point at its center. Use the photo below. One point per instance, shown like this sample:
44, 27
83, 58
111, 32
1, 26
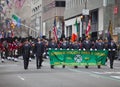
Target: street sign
85, 12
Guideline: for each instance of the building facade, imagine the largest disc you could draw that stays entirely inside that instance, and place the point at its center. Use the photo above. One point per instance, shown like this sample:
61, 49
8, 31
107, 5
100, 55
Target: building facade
36, 18
53, 9
100, 13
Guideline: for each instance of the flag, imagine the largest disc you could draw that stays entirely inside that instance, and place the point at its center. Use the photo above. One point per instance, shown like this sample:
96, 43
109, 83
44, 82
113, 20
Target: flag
55, 30
75, 33
19, 3
88, 29
76, 25
74, 37
110, 31
9, 3
16, 20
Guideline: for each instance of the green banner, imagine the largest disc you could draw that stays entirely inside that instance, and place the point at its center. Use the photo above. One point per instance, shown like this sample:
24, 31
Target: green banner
77, 57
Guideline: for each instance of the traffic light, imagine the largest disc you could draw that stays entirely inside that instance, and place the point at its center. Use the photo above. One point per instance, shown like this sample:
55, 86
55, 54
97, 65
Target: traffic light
12, 25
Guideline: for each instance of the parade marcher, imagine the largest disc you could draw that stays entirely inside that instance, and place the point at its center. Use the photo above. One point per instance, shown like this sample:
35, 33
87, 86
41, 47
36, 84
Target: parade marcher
99, 45
52, 44
87, 44
112, 47
64, 44
75, 45
5, 48
39, 46
2, 51
26, 53
15, 47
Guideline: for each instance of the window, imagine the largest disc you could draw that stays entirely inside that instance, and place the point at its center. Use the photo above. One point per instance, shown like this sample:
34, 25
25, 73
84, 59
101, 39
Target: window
69, 30
60, 3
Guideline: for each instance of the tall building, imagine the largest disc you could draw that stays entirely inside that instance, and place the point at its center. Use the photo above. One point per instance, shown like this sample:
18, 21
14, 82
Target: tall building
53, 9
100, 12
36, 18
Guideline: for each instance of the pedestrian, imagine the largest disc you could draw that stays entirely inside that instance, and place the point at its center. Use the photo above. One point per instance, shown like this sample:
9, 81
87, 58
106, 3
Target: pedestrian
26, 53
112, 47
39, 47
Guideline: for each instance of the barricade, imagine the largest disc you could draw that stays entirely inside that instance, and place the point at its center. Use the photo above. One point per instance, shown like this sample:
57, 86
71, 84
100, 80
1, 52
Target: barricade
70, 57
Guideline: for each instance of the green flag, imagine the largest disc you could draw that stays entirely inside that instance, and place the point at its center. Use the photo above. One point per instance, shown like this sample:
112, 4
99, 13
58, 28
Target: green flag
76, 25
15, 17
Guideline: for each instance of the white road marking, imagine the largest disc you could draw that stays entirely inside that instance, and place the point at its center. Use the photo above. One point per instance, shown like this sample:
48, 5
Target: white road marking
117, 77
21, 78
106, 72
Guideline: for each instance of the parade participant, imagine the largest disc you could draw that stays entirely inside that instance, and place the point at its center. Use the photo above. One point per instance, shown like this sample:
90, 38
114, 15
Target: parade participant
2, 51
99, 45
87, 44
105, 44
5, 48
26, 53
39, 46
64, 44
10, 47
76, 45
16, 45
112, 47
52, 44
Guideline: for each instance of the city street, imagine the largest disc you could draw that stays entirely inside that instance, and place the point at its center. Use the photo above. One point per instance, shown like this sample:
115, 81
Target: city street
12, 74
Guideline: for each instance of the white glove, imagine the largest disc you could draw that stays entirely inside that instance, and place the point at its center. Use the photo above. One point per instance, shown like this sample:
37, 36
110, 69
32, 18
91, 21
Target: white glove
91, 49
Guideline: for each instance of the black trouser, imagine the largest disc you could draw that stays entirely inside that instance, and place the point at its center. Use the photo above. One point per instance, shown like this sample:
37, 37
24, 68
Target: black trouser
26, 61
6, 53
39, 61
111, 57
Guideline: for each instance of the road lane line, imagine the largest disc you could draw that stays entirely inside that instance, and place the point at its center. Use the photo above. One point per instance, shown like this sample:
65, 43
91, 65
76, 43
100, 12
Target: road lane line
95, 75
20, 77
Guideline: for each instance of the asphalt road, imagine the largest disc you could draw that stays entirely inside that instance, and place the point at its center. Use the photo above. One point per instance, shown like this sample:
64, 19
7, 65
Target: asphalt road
12, 74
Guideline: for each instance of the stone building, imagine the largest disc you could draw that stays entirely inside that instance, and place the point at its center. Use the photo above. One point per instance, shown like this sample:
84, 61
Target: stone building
53, 9
100, 13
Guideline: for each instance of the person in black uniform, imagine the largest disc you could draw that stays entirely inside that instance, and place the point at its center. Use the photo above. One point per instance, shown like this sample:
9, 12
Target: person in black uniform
112, 47
64, 44
39, 46
52, 44
99, 45
87, 44
26, 53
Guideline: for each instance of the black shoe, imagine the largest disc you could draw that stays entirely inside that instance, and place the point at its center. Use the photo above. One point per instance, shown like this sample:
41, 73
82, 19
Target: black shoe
75, 66
63, 66
38, 67
86, 67
99, 66
111, 67
25, 68
52, 66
